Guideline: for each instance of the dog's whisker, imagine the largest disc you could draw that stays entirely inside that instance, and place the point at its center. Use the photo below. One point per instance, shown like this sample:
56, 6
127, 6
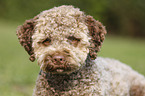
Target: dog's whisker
41, 67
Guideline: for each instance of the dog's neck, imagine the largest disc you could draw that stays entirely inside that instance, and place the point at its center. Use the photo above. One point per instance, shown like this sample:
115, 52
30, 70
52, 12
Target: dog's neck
87, 66
65, 81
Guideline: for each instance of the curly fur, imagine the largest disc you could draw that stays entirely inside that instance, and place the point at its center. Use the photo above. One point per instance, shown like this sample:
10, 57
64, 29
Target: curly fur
97, 32
103, 77
65, 43
24, 33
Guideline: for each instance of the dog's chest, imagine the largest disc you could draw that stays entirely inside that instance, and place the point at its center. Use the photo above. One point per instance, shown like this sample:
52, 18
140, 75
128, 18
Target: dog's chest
75, 85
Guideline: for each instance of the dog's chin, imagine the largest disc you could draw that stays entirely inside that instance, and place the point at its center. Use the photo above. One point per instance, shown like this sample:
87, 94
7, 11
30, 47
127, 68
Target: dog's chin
60, 69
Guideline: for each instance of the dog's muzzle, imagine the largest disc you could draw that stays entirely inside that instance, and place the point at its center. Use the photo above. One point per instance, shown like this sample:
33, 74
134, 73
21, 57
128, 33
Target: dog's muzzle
58, 64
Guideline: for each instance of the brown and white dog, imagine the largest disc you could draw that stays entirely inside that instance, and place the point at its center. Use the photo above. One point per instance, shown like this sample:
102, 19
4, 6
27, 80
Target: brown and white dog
65, 43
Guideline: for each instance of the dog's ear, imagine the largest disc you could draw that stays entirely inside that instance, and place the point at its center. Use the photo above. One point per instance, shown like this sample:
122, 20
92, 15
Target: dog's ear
24, 33
97, 32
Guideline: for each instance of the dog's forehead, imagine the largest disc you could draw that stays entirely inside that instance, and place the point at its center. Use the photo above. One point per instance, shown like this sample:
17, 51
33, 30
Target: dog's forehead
62, 21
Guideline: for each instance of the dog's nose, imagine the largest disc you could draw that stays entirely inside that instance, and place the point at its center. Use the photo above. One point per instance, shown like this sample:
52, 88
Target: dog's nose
58, 59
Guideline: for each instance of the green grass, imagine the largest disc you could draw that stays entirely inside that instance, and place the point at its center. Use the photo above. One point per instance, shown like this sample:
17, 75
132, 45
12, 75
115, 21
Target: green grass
127, 50
18, 74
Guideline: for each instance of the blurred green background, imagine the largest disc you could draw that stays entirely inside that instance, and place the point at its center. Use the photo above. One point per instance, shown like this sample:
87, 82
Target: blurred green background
124, 21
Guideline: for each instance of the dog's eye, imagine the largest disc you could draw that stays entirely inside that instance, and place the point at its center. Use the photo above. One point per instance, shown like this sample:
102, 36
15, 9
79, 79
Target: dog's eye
46, 42
73, 40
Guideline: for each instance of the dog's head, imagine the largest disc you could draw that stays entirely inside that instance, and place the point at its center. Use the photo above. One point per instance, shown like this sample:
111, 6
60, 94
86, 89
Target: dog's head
61, 39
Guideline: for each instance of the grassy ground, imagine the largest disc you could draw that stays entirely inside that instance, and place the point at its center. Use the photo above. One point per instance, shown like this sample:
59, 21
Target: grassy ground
18, 74
127, 50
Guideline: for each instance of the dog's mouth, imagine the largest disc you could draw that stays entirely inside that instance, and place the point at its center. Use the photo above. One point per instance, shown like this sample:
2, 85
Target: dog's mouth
59, 69
50, 66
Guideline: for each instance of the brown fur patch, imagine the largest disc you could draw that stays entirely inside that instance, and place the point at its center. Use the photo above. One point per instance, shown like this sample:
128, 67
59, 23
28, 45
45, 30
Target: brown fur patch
24, 33
137, 90
97, 33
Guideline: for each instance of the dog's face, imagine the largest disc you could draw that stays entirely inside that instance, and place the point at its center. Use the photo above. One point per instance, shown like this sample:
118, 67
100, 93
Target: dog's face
61, 39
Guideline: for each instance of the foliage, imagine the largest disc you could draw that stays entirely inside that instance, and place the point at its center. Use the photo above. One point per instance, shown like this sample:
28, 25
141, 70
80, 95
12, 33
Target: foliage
125, 17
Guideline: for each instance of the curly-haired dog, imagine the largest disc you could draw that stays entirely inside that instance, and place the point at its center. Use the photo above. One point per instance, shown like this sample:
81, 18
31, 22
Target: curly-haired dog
65, 42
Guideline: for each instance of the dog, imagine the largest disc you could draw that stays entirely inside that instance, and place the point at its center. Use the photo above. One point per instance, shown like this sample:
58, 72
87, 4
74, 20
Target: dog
65, 43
